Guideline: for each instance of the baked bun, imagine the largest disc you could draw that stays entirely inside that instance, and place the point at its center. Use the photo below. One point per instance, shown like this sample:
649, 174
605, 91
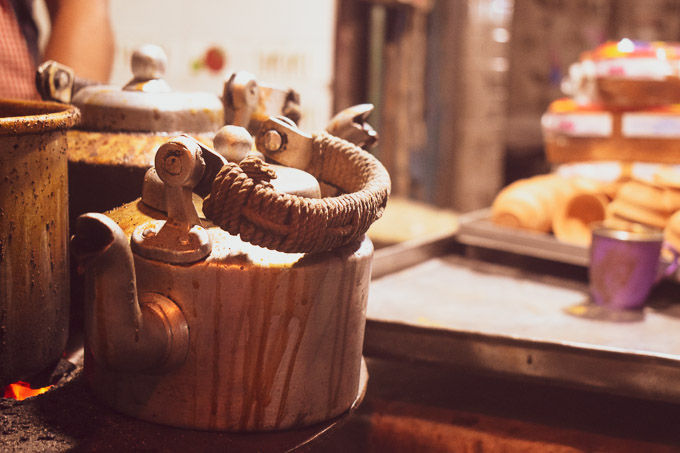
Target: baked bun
552, 203
648, 202
572, 218
527, 203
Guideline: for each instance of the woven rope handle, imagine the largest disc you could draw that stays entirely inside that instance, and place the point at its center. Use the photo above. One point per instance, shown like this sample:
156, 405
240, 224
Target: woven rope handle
243, 202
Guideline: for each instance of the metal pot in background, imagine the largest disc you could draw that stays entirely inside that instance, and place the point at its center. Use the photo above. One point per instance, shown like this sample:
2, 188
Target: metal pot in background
34, 261
122, 127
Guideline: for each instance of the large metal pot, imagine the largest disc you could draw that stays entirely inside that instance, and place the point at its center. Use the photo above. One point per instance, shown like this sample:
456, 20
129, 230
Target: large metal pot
249, 316
34, 269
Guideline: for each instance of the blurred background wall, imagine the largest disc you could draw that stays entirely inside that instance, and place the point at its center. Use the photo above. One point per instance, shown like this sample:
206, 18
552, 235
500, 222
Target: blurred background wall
462, 118
289, 44
549, 35
459, 85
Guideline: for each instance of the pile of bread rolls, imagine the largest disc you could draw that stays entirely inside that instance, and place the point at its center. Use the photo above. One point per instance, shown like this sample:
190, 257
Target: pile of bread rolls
566, 206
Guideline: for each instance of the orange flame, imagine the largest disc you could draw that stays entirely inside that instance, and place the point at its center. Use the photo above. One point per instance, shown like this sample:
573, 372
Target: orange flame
21, 390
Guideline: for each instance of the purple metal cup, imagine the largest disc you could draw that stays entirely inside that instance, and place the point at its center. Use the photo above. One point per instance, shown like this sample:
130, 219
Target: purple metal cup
625, 265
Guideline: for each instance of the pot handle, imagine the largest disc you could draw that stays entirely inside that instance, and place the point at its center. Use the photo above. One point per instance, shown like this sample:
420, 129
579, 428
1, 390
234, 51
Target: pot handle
243, 202
57, 82
670, 268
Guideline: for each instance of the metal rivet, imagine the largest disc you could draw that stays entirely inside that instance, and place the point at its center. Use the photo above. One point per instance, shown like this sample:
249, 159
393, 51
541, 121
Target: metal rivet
62, 79
172, 165
272, 140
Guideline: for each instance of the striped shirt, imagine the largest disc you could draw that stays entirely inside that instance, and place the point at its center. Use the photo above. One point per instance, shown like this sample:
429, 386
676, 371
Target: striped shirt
17, 68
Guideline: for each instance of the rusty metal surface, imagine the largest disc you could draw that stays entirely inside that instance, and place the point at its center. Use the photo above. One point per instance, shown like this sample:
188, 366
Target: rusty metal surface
31, 117
34, 273
106, 169
112, 109
243, 373
145, 104
119, 148
510, 319
114, 148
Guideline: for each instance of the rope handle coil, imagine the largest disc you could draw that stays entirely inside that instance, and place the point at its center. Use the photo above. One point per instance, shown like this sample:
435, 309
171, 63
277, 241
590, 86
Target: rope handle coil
243, 202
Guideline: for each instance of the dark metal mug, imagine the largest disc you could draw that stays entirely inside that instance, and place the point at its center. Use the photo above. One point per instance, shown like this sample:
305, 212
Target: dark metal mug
625, 264
34, 273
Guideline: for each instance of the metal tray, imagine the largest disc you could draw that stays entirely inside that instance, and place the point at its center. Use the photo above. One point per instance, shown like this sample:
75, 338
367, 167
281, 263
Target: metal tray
476, 229
432, 301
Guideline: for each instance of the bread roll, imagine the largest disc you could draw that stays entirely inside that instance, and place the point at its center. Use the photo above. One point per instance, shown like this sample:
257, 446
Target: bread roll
572, 219
552, 203
528, 203
648, 202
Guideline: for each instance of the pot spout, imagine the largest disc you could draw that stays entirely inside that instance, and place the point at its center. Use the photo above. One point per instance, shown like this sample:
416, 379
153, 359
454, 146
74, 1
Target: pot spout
124, 330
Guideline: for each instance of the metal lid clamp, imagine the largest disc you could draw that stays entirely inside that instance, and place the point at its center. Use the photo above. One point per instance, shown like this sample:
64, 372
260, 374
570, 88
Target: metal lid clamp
181, 239
146, 104
351, 124
57, 82
241, 95
281, 141
248, 103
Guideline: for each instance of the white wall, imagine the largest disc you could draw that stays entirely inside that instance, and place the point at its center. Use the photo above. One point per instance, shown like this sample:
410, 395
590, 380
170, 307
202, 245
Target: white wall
286, 43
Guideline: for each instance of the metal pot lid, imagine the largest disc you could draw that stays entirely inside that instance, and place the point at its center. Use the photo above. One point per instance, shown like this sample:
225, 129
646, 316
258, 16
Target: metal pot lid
145, 104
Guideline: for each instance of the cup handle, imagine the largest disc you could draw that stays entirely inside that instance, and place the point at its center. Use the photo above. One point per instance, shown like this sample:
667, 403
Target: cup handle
673, 265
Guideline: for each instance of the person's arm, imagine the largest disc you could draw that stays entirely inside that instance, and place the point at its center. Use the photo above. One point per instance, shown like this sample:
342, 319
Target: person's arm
81, 37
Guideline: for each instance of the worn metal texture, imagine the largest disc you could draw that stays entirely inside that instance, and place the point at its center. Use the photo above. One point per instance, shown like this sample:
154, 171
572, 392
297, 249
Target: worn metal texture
351, 124
34, 271
248, 103
124, 330
113, 109
106, 169
275, 338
